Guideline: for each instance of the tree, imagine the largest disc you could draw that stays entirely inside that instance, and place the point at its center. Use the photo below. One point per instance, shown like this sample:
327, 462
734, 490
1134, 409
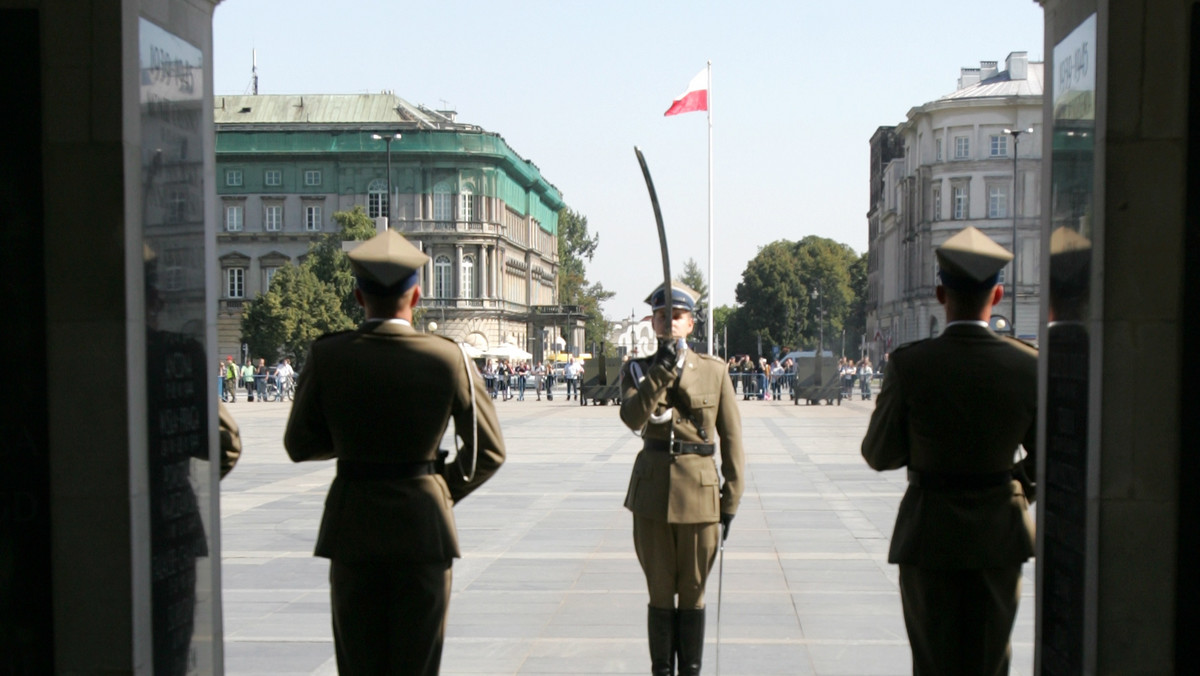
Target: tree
309, 300
575, 246
694, 278
777, 295
773, 294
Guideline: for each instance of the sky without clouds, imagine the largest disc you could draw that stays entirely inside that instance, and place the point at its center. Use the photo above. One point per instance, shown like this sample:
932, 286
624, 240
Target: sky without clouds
799, 87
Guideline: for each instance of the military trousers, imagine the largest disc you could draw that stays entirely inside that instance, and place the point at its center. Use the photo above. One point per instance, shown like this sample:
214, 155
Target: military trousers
960, 621
389, 617
676, 559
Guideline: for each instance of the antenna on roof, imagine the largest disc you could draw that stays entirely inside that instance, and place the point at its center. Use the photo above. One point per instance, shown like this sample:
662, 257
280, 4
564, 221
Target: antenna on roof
254, 71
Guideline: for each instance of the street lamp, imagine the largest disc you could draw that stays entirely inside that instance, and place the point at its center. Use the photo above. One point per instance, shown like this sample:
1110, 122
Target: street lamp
1016, 135
816, 295
387, 139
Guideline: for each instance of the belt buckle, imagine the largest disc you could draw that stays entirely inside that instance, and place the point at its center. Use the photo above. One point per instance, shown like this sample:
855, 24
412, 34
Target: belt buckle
674, 448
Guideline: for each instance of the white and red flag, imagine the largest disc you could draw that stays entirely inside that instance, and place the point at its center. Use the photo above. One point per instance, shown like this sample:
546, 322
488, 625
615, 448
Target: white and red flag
695, 98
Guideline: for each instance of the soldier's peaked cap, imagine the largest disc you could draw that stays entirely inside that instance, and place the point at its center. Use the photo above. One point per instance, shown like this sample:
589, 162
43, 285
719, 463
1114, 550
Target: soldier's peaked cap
971, 259
387, 264
682, 297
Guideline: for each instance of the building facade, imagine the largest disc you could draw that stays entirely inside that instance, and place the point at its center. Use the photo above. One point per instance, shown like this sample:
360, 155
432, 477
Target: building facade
486, 217
950, 165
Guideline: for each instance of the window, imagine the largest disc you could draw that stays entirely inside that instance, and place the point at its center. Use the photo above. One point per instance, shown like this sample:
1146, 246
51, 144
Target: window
998, 146
962, 147
235, 282
467, 278
272, 177
959, 196
268, 277
442, 203
997, 201
233, 218
312, 218
233, 177
937, 150
466, 206
441, 277
937, 203
312, 177
377, 198
273, 217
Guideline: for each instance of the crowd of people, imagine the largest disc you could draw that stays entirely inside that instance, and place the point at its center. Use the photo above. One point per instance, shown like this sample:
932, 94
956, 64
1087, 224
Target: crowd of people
507, 380
254, 378
772, 380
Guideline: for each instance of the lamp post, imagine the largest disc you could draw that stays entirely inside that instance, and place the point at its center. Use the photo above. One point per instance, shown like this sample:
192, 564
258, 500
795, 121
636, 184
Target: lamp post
1016, 135
816, 295
387, 139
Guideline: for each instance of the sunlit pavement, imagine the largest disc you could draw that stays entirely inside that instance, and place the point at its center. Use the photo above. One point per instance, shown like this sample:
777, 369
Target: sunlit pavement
549, 583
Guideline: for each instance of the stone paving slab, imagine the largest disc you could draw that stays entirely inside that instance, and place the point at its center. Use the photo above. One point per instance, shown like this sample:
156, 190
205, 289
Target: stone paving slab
549, 583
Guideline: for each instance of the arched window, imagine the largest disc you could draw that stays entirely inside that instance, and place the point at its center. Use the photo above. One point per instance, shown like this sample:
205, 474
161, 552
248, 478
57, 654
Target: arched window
377, 198
467, 279
441, 277
443, 203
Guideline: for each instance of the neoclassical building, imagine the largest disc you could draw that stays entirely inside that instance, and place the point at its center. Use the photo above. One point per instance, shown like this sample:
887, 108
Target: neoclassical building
486, 217
950, 165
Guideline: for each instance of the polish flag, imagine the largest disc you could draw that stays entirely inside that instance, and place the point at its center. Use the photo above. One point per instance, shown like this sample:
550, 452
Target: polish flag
695, 98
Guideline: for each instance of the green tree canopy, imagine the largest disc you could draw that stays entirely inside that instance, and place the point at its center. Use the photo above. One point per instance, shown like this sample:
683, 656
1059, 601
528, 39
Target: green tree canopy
575, 248
306, 301
793, 293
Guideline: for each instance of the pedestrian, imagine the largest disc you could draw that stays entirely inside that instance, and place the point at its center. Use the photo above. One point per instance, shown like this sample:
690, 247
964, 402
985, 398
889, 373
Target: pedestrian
539, 373
231, 378
260, 379
953, 410
522, 375
388, 529
248, 379
864, 377
571, 377
681, 403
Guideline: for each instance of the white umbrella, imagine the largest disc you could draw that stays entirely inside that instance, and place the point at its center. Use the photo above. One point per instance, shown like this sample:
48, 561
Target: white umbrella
507, 351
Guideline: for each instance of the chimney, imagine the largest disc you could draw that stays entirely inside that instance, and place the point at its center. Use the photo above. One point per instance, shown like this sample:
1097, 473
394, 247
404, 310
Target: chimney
968, 77
987, 69
1018, 65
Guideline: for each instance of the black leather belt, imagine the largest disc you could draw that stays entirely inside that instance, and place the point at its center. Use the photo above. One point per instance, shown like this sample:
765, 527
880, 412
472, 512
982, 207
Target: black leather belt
958, 480
678, 447
355, 470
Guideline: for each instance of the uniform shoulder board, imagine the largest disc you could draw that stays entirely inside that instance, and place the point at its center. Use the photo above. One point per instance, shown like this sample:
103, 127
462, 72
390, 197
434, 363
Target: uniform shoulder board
1021, 341
711, 357
333, 334
909, 344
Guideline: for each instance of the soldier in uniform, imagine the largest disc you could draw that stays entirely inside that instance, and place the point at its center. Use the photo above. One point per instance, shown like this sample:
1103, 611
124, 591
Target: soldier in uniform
953, 410
680, 402
378, 399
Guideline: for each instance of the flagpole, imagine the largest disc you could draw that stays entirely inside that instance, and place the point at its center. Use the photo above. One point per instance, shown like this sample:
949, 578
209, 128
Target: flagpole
711, 281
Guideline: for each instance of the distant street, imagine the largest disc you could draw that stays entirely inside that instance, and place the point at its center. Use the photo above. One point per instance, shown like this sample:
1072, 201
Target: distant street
549, 583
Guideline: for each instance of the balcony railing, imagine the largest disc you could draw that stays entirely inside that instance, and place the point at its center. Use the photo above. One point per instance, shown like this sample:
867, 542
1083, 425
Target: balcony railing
477, 227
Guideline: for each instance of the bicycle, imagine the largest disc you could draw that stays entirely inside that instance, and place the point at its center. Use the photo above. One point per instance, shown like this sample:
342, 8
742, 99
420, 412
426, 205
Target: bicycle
287, 390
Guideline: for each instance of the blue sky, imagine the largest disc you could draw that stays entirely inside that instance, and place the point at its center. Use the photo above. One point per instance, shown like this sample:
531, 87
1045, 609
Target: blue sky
798, 89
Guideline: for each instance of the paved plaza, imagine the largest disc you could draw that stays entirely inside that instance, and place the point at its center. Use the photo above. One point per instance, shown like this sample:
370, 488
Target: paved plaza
549, 583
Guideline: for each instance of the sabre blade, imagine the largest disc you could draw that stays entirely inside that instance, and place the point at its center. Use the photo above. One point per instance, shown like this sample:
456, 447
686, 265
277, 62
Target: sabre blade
662, 230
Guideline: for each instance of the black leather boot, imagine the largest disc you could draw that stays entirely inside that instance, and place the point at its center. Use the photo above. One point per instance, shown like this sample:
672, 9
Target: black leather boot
691, 641
661, 625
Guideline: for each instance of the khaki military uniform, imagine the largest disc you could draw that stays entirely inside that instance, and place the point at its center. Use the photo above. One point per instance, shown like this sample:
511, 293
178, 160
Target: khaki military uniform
677, 499
953, 410
378, 399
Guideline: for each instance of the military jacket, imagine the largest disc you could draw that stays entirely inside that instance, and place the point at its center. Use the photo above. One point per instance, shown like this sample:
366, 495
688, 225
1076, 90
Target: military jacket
384, 393
683, 488
959, 404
